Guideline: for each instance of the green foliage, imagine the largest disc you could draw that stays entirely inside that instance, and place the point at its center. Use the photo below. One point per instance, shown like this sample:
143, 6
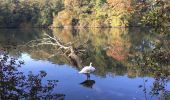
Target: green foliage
38, 13
100, 2
154, 13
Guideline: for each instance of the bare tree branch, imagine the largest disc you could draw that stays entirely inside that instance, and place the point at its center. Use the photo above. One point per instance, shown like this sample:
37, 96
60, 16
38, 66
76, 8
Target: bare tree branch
64, 49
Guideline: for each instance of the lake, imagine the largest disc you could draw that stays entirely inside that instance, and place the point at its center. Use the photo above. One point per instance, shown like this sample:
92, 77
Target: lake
131, 64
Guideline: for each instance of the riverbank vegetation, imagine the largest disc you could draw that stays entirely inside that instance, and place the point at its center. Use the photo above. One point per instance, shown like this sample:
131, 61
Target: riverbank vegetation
84, 13
28, 13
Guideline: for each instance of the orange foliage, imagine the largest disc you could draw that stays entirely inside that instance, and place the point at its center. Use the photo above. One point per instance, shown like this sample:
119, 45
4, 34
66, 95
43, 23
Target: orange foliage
130, 9
119, 51
119, 3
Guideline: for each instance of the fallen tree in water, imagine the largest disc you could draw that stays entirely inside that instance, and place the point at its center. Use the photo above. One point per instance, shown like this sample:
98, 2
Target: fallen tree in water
67, 50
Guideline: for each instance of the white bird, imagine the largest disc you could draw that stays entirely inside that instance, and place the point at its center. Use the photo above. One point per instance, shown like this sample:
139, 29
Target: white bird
87, 69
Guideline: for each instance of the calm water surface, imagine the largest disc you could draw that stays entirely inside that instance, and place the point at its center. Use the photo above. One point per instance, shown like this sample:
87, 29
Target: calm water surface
111, 51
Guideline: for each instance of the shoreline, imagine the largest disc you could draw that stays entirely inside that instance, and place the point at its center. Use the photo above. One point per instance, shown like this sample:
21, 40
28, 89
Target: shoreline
72, 27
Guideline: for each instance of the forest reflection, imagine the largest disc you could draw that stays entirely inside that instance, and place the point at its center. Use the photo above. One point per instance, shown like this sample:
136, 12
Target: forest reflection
110, 49
114, 51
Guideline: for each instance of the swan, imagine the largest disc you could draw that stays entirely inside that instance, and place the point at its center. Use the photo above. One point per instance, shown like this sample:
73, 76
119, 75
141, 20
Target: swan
87, 69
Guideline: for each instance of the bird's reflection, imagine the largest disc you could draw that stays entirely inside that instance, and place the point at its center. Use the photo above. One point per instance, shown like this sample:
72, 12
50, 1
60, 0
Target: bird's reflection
88, 82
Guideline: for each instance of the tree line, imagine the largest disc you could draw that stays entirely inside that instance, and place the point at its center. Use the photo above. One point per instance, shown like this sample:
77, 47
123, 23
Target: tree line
83, 13
33, 13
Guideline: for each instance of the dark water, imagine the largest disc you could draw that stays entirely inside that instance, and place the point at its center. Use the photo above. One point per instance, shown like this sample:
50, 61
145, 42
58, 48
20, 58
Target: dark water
117, 54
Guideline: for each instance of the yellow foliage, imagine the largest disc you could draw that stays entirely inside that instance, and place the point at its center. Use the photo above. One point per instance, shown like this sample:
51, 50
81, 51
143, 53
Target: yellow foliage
56, 22
119, 4
116, 21
65, 17
72, 3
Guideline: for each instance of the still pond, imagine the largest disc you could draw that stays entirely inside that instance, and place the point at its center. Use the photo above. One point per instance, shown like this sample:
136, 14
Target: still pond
128, 61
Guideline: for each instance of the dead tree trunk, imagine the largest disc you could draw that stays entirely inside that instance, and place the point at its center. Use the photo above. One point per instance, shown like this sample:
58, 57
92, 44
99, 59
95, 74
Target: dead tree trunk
66, 49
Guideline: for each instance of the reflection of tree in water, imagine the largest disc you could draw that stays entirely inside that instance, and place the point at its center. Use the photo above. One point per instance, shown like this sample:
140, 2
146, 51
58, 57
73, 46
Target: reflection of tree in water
91, 48
158, 87
107, 48
151, 57
15, 85
156, 63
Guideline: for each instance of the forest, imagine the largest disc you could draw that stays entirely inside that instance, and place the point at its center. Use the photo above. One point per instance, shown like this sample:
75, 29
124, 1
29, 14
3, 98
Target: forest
84, 13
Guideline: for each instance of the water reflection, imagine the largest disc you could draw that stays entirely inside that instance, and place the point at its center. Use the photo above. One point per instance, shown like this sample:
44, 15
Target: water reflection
128, 53
88, 83
158, 88
110, 49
